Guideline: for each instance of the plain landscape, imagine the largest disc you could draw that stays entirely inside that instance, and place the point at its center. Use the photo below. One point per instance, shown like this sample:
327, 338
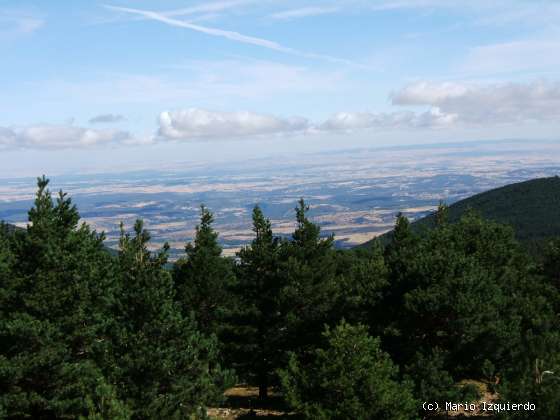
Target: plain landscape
354, 194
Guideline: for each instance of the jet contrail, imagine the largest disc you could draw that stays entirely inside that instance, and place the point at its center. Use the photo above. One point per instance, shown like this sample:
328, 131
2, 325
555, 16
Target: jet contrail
234, 36
231, 35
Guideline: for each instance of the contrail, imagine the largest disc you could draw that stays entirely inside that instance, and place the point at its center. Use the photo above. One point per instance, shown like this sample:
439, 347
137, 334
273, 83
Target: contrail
231, 35
234, 36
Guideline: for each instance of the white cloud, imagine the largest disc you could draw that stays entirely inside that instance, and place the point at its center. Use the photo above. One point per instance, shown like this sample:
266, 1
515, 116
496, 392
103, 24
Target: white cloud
509, 57
304, 12
423, 93
351, 121
447, 104
8, 138
106, 119
196, 123
59, 137
486, 104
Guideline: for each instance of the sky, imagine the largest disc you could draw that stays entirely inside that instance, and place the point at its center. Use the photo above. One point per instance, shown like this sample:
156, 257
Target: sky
114, 85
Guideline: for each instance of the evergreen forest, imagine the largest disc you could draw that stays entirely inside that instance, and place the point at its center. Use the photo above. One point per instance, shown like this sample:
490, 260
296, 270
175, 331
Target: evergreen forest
458, 313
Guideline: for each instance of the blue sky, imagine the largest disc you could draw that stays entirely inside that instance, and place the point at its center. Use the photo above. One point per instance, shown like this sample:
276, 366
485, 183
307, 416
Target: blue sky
127, 84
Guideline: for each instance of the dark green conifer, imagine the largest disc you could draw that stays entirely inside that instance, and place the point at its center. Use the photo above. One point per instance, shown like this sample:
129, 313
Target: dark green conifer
54, 304
551, 262
258, 322
348, 377
363, 280
204, 278
471, 296
311, 284
164, 365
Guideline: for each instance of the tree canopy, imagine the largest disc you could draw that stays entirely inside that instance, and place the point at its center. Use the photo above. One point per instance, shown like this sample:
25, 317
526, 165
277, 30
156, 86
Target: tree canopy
443, 315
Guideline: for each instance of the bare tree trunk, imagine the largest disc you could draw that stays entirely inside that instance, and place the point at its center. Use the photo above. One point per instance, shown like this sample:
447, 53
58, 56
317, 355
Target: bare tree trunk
263, 384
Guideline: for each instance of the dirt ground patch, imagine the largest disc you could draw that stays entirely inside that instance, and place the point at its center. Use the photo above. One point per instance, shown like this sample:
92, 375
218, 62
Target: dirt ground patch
242, 402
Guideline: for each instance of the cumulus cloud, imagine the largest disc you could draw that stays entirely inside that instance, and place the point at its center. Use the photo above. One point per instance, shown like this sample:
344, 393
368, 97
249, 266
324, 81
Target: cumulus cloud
350, 121
106, 118
200, 124
59, 137
426, 93
486, 104
195, 123
458, 103
446, 104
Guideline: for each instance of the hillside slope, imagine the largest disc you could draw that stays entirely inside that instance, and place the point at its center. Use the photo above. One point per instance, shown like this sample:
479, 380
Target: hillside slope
8, 228
532, 208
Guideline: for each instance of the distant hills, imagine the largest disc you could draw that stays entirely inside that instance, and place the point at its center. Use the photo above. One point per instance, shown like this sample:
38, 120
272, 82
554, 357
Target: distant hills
532, 208
8, 227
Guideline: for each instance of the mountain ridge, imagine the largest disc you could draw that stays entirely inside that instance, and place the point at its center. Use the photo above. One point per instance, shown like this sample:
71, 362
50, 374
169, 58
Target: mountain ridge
531, 208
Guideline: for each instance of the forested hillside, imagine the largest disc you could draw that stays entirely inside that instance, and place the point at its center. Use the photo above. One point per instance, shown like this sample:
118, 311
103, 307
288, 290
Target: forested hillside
8, 229
530, 207
448, 315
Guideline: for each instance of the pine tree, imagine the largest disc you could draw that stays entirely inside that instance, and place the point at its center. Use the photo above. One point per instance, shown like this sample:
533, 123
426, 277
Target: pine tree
433, 381
551, 262
363, 278
349, 377
468, 293
533, 369
311, 284
533, 376
442, 214
258, 323
204, 278
164, 365
6, 265
400, 259
54, 321
400, 251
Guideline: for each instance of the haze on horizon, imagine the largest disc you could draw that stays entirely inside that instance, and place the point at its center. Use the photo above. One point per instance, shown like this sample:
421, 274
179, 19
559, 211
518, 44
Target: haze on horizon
125, 84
